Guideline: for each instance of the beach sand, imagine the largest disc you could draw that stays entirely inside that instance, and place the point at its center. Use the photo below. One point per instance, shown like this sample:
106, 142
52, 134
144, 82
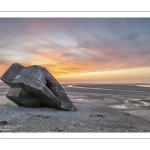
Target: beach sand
100, 108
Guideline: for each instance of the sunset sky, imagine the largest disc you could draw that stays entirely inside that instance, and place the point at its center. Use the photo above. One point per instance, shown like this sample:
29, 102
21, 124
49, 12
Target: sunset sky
77, 50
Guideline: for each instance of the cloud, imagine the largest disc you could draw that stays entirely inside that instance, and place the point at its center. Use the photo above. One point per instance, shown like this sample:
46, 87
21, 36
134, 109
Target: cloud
72, 46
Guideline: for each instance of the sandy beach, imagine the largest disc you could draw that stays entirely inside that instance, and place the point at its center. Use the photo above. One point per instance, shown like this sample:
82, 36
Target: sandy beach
100, 108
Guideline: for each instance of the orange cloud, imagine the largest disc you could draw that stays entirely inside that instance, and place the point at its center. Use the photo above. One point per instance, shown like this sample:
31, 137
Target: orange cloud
68, 71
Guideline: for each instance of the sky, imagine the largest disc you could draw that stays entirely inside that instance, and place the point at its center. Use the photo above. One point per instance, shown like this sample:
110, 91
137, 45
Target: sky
79, 50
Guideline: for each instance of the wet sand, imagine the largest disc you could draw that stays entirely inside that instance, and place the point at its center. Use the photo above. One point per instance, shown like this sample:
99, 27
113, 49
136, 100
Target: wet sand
100, 108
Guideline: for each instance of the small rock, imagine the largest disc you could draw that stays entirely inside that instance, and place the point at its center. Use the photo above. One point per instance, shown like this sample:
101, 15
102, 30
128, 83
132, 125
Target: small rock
3, 123
8, 104
100, 129
74, 123
127, 114
0, 130
45, 117
59, 129
38, 115
127, 130
99, 115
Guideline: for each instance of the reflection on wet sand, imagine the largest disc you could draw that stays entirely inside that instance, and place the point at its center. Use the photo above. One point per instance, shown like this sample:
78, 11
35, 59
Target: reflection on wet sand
144, 85
145, 103
120, 97
99, 88
70, 86
80, 87
135, 99
119, 106
137, 105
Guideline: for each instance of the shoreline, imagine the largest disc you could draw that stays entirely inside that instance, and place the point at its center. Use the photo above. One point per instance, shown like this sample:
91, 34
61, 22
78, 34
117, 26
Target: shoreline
98, 110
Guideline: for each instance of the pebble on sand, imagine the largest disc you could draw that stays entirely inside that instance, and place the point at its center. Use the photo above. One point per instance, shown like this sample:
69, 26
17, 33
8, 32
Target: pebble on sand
3, 123
45, 117
59, 129
99, 115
